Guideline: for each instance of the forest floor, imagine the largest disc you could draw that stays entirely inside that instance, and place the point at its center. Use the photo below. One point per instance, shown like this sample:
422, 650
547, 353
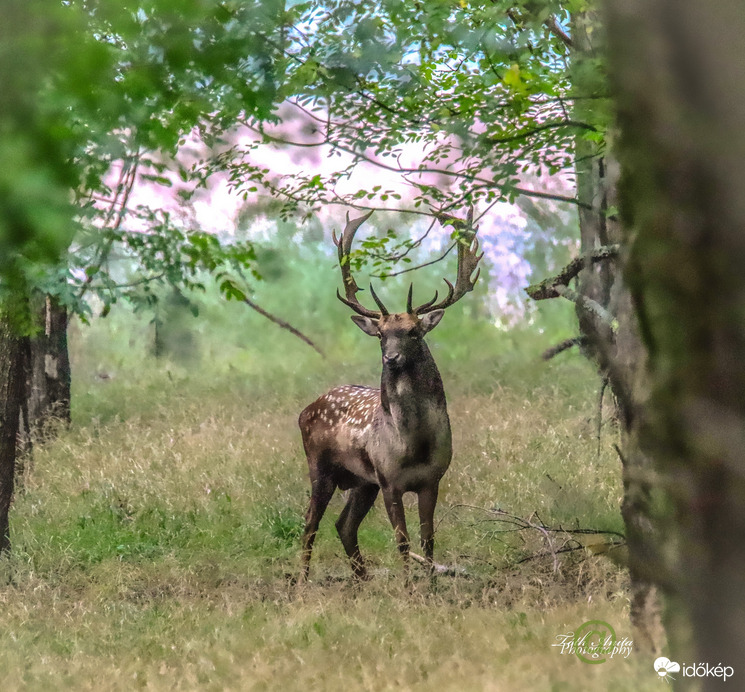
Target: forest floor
156, 541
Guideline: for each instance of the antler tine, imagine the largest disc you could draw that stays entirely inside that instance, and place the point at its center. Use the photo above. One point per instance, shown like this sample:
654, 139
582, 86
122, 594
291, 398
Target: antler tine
383, 310
468, 259
409, 298
359, 309
344, 246
424, 306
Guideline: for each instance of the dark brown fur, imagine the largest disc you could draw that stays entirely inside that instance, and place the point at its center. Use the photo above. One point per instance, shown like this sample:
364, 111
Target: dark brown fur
395, 439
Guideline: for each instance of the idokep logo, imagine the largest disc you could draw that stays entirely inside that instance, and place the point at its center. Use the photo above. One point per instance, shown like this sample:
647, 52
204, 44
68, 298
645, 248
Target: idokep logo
664, 667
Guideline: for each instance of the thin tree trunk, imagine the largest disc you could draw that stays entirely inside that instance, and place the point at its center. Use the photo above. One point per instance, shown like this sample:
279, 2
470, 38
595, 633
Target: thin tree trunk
49, 377
12, 385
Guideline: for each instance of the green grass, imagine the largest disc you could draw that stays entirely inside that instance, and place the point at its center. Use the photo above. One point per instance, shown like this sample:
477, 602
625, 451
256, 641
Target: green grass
156, 540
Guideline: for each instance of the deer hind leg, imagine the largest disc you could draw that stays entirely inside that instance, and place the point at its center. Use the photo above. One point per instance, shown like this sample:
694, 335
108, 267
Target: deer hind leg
360, 500
427, 502
321, 493
394, 505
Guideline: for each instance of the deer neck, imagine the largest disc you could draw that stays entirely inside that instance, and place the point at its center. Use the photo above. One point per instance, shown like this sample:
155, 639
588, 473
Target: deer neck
412, 394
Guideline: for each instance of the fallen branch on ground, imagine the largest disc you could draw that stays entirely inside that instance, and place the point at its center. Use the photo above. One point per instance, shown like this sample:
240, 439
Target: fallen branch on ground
439, 569
535, 523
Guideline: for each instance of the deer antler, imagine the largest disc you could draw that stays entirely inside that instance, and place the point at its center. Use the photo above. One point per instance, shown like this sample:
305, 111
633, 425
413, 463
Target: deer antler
468, 259
344, 246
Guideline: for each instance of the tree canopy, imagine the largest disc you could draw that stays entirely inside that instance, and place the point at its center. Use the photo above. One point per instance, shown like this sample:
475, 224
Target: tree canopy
91, 86
483, 92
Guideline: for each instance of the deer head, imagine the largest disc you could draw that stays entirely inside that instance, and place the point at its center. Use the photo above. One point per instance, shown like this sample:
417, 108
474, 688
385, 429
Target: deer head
401, 333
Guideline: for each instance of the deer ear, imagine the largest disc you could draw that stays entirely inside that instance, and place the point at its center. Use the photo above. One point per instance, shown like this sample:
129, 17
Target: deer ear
367, 325
430, 320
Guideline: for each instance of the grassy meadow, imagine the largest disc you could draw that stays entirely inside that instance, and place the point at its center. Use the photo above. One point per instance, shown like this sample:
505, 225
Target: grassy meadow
154, 543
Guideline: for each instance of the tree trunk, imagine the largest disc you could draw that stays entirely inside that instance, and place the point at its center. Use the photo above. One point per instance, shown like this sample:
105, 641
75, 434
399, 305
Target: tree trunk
49, 371
680, 87
12, 385
618, 352
596, 281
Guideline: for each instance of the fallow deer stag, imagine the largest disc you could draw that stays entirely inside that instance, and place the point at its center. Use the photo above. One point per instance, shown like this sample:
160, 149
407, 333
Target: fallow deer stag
396, 438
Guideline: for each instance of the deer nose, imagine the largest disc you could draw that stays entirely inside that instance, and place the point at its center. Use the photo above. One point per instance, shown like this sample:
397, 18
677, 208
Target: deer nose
391, 358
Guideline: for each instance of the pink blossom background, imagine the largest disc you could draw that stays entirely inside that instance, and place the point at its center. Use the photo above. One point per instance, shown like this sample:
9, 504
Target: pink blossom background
503, 227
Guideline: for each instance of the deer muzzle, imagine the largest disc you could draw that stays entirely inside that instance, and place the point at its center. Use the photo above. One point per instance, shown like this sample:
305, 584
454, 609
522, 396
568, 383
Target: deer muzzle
392, 358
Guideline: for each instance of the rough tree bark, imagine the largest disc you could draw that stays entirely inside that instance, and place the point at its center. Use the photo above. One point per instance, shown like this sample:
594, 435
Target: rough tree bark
49, 368
614, 344
12, 386
680, 87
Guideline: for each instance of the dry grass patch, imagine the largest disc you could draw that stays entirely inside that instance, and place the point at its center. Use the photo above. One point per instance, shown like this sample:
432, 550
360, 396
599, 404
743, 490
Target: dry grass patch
155, 544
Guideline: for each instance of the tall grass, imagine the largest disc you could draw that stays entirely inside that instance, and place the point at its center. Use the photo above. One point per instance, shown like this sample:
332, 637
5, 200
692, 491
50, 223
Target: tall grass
155, 541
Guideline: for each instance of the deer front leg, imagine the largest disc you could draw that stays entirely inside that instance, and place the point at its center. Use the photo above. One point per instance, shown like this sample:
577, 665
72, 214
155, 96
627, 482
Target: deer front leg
427, 502
395, 507
360, 501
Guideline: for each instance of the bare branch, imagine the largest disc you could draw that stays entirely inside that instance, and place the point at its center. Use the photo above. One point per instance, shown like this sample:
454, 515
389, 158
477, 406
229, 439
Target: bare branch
552, 24
130, 284
601, 394
555, 28
550, 353
519, 524
501, 515
116, 211
542, 529
419, 266
588, 304
548, 287
618, 378
284, 325
440, 569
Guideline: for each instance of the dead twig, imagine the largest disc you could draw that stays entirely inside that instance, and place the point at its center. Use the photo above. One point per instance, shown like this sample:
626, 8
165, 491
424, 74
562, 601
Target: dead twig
588, 305
601, 395
284, 325
535, 523
550, 353
548, 287
452, 571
